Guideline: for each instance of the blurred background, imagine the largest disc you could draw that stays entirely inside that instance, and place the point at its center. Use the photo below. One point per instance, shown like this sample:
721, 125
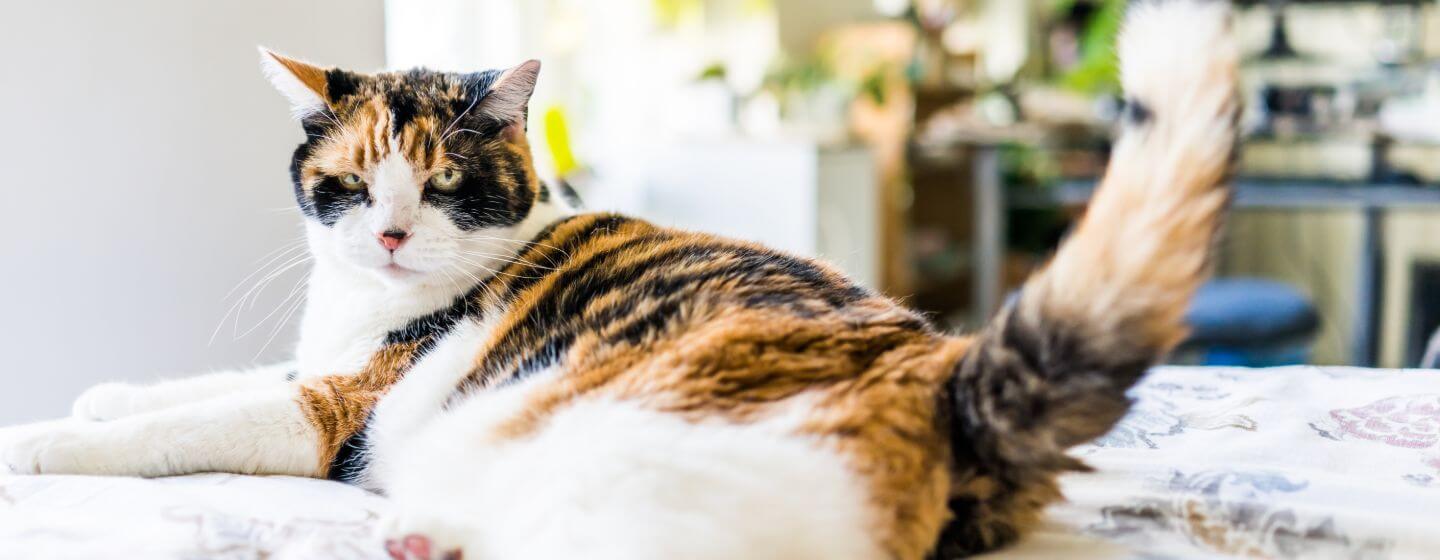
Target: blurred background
937, 150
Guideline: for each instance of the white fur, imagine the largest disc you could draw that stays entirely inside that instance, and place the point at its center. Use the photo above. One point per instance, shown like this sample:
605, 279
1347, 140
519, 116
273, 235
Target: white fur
109, 401
255, 432
417, 399
1170, 51
613, 480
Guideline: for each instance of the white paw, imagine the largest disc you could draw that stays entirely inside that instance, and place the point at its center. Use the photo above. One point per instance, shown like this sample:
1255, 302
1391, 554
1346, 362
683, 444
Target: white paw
106, 401
47, 450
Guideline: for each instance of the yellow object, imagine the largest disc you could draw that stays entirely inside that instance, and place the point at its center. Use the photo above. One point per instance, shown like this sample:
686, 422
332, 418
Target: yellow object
673, 13
557, 137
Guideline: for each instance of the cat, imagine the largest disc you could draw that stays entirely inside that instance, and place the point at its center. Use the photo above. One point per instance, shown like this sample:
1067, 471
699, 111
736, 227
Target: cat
525, 379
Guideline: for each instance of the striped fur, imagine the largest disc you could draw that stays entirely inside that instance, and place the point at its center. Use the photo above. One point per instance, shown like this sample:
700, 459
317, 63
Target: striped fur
515, 417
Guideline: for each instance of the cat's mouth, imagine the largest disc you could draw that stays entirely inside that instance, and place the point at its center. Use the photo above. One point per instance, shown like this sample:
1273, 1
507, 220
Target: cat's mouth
395, 270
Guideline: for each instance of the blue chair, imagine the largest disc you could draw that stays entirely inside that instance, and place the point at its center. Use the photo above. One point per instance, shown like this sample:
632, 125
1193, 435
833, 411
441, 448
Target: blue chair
1250, 322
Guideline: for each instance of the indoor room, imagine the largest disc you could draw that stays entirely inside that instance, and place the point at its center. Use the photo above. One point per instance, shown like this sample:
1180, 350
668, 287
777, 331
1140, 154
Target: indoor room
512, 279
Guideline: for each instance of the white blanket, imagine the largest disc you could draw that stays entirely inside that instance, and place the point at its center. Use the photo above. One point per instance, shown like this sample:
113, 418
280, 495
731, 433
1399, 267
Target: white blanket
1283, 463
1304, 462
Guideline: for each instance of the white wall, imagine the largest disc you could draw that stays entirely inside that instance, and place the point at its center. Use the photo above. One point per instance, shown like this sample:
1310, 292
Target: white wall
143, 171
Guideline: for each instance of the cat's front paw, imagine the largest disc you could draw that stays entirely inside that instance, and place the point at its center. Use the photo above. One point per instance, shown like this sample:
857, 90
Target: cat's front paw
49, 450
106, 401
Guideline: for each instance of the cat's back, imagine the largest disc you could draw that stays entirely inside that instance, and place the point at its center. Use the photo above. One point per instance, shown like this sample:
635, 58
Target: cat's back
604, 288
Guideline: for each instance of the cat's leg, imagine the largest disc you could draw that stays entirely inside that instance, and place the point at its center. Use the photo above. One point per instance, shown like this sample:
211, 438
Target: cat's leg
259, 431
109, 401
419, 397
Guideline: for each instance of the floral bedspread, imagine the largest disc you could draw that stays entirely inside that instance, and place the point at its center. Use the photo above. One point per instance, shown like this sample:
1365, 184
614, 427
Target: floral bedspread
1300, 462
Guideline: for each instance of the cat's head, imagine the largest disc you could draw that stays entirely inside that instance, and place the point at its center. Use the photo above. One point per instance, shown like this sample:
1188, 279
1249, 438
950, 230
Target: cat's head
415, 176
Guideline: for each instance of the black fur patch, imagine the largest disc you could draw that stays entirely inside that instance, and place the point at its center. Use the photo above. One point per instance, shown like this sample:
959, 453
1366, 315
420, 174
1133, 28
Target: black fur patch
429, 329
403, 109
476, 203
350, 462
331, 200
340, 84
307, 206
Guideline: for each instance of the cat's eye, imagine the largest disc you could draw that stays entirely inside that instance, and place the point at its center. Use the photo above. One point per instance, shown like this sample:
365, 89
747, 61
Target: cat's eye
352, 181
446, 180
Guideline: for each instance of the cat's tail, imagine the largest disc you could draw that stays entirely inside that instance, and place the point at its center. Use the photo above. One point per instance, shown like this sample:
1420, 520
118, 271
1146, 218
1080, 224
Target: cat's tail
1052, 369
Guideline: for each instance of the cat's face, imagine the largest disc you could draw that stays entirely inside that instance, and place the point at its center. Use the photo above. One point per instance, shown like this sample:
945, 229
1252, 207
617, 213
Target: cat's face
411, 177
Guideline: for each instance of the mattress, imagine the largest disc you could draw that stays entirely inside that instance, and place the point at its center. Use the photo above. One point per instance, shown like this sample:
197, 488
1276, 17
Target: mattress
1300, 462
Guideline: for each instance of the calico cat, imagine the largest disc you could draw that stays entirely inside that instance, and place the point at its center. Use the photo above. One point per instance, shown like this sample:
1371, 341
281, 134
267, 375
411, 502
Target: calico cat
527, 380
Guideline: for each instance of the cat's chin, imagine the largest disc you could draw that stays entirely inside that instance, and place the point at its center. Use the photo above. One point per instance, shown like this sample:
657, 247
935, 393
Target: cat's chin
386, 275
401, 278
395, 273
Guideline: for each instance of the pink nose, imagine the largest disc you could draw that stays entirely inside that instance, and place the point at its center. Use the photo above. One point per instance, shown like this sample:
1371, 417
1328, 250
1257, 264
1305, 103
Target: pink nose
392, 239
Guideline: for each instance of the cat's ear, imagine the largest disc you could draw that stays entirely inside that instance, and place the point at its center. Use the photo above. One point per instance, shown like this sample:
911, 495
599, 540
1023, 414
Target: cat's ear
509, 94
304, 84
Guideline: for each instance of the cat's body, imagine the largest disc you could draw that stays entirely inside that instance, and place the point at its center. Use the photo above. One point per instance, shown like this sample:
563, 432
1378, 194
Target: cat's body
529, 381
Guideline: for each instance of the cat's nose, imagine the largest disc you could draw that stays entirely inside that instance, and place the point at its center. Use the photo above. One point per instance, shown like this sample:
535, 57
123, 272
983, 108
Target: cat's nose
392, 239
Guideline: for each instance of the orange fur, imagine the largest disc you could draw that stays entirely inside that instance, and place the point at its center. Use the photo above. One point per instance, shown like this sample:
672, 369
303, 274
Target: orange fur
312, 76
338, 405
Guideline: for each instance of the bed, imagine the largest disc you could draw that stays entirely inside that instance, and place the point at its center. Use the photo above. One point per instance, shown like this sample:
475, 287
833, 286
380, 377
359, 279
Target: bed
1299, 462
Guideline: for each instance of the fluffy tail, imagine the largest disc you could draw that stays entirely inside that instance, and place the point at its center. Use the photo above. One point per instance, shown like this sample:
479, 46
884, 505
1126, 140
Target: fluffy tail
1051, 371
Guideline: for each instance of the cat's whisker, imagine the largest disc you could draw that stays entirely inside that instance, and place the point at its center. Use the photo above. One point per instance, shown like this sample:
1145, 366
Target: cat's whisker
453, 282
493, 271
476, 281
293, 262
287, 254
273, 256
299, 303
485, 238
330, 114
294, 291
253, 295
483, 284
507, 259
458, 131
475, 98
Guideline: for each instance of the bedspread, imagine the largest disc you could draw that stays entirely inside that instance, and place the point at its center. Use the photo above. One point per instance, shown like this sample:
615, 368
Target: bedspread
1296, 462
1300, 462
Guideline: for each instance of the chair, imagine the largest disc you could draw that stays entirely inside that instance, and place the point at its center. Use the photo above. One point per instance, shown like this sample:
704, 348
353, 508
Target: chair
1250, 322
